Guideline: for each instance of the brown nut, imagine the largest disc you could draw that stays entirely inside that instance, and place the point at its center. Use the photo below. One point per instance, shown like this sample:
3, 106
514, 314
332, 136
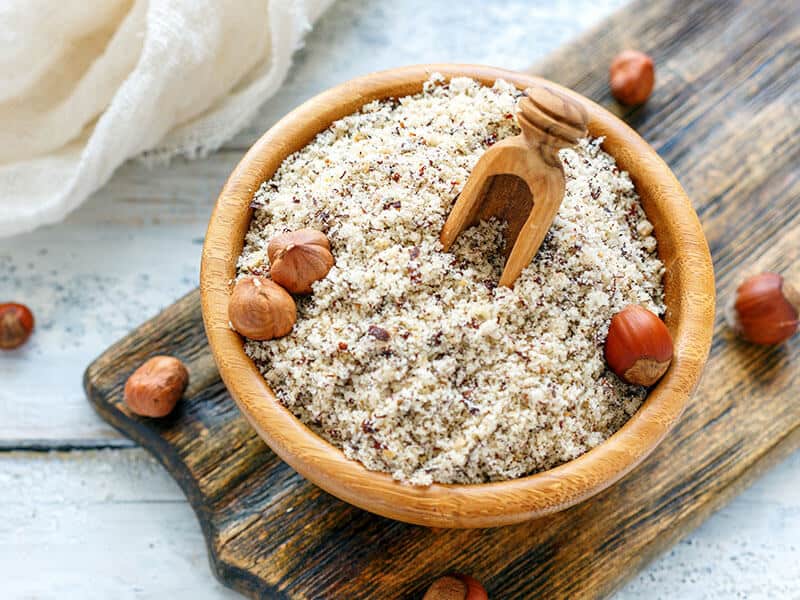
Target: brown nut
639, 346
765, 309
456, 587
154, 388
632, 77
299, 258
260, 309
16, 325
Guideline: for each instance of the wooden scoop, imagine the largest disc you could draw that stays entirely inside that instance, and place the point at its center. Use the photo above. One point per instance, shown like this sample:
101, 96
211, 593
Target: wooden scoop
521, 179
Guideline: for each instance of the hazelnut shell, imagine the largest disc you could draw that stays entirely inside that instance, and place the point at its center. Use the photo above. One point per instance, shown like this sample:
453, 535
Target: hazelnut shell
475, 591
260, 309
639, 346
632, 77
299, 258
154, 388
765, 310
16, 325
456, 587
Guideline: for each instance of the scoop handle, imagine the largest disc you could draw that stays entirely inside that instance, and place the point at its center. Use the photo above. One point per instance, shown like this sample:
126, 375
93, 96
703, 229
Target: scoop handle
550, 118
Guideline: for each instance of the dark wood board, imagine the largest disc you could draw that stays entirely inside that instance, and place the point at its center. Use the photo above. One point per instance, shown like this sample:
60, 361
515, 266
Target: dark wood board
726, 117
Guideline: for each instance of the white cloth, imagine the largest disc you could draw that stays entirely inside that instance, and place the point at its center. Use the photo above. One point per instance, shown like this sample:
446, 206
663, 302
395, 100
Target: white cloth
86, 85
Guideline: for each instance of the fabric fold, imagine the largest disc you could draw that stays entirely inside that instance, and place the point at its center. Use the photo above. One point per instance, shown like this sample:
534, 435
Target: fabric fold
161, 77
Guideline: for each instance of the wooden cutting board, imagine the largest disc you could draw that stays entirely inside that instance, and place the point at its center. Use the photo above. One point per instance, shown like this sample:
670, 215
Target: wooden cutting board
726, 117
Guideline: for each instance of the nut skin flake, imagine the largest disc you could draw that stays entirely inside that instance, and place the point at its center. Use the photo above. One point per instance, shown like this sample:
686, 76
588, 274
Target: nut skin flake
412, 360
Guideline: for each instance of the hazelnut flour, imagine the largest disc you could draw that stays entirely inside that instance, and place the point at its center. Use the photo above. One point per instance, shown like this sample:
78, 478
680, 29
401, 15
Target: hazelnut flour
412, 360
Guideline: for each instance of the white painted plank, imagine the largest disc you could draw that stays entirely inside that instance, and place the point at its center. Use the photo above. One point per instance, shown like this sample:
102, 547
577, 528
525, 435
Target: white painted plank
98, 525
113, 524
357, 37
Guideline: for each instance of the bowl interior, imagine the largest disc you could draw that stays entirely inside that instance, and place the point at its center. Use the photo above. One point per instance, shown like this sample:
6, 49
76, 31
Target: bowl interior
689, 295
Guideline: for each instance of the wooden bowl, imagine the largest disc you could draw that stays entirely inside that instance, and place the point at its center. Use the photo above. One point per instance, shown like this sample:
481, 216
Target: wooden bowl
689, 286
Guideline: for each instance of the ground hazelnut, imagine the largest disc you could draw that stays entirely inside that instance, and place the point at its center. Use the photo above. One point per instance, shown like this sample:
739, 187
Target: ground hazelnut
456, 587
260, 309
639, 346
154, 388
765, 309
632, 76
299, 258
16, 325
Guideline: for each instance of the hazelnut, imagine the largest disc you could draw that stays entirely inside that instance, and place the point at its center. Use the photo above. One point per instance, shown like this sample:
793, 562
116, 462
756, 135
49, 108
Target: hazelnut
456, 587
765, 309
16, 325
299, 258
260, 309
632, 77
639, 346
154, 388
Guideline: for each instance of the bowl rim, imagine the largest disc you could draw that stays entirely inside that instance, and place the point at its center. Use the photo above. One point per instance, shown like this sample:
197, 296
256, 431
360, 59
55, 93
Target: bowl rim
689, 286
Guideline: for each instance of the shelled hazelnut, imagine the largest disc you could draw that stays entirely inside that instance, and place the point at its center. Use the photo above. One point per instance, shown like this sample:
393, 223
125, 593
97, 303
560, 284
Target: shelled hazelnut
299, 258
16, 325
456, 587
639, 346
260, 309
765, 309
632, 76
154, 388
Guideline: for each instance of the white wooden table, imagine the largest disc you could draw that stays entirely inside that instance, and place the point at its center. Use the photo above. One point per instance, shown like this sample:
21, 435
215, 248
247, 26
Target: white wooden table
86, 514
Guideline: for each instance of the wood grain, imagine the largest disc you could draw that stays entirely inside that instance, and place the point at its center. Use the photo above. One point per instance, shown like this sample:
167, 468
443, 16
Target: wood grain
728, 79
688, 291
